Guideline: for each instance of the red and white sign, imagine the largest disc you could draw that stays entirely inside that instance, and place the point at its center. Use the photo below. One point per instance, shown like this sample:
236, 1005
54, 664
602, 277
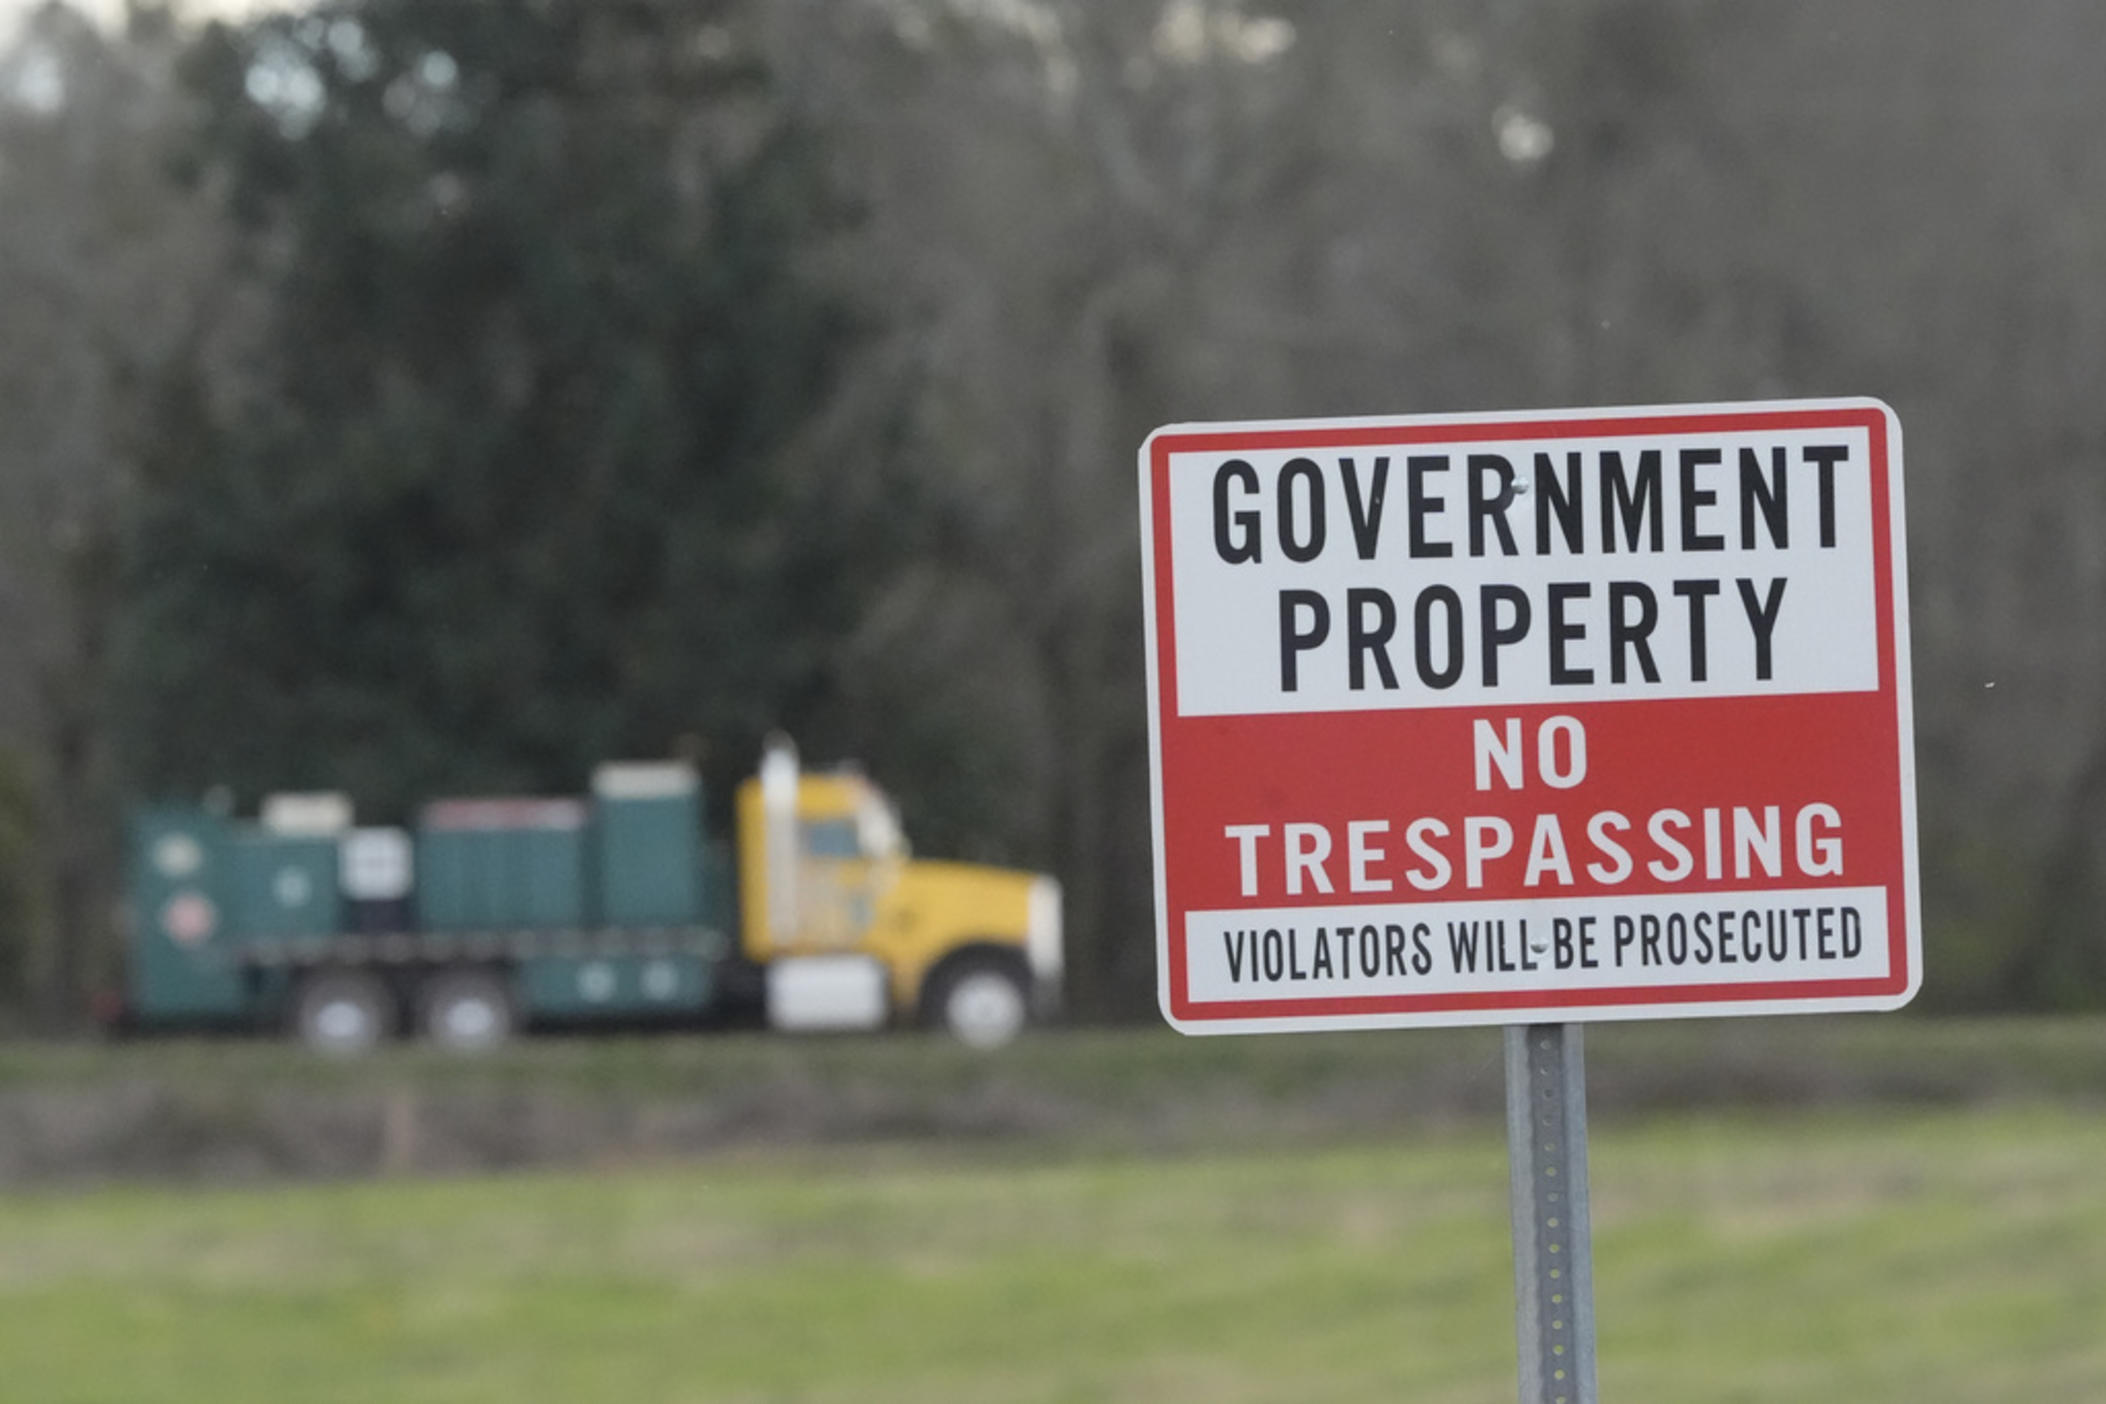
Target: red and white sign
1534, 717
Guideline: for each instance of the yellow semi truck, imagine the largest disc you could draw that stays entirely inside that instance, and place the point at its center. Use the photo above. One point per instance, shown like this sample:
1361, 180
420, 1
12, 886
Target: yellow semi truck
489, 915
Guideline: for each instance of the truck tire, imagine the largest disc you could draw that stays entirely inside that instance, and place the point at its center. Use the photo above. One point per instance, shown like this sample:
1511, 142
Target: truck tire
343, 1012
981, 1002
469, 1011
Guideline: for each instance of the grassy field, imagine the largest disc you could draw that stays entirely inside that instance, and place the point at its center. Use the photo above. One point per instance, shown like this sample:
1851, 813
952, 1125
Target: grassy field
1920, 1256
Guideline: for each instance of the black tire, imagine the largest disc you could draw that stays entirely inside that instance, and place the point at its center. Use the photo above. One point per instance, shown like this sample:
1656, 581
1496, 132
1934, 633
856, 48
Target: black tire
982, 1001
344, 1012
468, 1011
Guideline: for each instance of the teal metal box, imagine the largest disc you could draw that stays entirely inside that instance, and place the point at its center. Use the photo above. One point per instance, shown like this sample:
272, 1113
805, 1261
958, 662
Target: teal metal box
614, 986
648, 840
282, 886
182, 963
502, 864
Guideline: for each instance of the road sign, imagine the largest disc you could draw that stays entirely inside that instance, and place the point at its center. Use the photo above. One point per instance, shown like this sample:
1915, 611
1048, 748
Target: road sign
1530, 718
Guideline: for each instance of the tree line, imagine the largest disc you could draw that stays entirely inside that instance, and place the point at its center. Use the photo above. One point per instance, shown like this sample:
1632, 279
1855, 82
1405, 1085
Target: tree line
439, 396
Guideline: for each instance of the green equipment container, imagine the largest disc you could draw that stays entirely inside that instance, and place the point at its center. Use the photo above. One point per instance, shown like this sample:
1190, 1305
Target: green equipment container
183, 962
647, 837
614, 987
282, 886
502, 864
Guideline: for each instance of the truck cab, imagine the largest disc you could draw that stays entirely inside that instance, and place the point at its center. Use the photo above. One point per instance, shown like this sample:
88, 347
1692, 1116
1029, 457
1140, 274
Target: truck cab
850, 927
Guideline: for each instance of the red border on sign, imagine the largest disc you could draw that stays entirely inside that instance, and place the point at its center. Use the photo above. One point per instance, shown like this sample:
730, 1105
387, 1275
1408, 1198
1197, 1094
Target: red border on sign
1867, 416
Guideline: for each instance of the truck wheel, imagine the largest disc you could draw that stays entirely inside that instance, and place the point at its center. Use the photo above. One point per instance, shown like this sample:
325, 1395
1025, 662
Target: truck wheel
466, 1010
344, 1012
982, 1004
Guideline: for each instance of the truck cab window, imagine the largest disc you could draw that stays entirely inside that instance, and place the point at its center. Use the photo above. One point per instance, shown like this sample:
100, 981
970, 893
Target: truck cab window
831, 838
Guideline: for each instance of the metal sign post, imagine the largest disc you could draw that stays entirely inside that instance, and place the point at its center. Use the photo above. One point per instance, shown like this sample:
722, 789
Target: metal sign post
1546, 1136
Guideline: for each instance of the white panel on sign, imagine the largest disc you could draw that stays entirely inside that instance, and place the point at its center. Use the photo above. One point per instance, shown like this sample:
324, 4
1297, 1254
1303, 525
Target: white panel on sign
1451, 573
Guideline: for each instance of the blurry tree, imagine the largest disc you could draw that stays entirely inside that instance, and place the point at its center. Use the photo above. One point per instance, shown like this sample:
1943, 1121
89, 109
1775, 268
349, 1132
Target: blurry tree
24, 892
1087, 219
107, 266
1807, 200
636, 368
514, 481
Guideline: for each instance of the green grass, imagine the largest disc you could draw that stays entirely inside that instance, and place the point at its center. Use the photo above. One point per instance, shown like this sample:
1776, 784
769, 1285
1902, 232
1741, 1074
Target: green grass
1922, 1257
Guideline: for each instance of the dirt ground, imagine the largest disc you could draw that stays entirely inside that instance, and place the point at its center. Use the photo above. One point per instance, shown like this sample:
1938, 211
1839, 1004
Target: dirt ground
245, 1110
